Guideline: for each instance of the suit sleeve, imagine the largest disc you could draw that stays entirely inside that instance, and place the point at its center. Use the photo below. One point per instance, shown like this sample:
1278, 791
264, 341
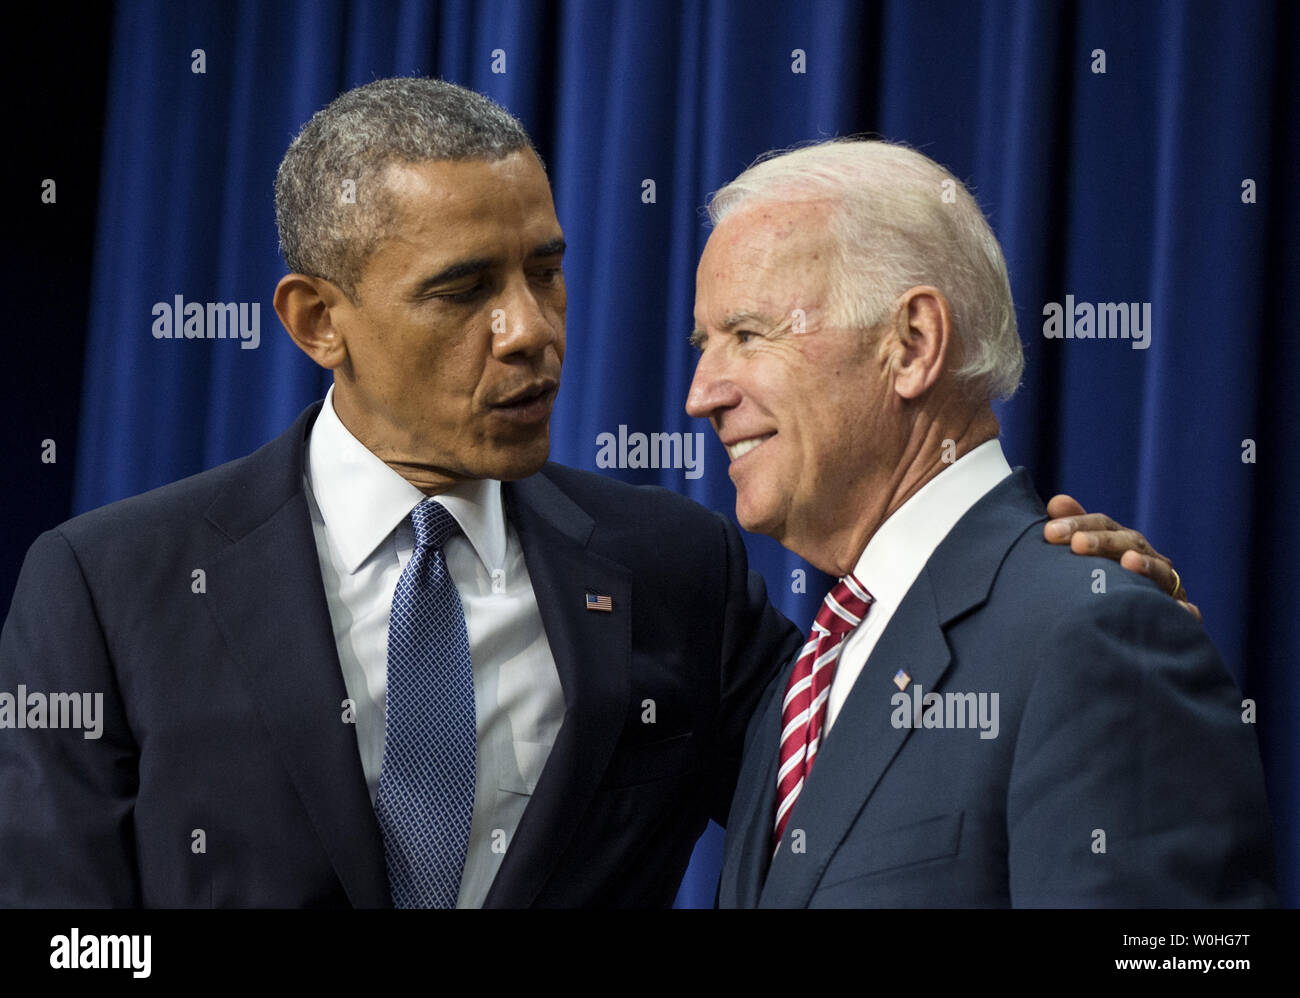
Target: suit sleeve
1135, 782
757, 640
66, 800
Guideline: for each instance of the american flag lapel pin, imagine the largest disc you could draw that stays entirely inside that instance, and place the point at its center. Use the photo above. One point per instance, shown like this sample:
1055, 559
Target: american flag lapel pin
901, 679
596, 601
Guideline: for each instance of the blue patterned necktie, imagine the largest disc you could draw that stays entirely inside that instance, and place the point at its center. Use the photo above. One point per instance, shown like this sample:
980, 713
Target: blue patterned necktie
426, 781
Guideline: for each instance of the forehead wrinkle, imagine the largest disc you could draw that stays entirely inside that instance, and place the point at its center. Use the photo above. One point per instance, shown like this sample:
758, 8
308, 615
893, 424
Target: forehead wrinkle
447, 232
430, 195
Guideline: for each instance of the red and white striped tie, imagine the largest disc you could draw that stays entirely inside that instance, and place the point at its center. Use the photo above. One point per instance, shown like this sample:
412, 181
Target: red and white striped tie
804, 708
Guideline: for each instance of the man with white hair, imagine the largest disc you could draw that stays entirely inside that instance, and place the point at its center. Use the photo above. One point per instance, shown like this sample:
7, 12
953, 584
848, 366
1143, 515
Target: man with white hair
974, 720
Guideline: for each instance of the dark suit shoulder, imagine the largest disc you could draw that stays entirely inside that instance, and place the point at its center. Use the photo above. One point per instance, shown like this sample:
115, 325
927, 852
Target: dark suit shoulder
600, 493
213, 502
1055, 590
644, 523
1028, 612
153, 511
1125, 719
1064, 575
996, 557
1079, 625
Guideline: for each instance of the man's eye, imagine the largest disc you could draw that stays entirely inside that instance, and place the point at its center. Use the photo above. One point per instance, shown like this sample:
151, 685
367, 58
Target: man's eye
743, 336
551, 275
460, 297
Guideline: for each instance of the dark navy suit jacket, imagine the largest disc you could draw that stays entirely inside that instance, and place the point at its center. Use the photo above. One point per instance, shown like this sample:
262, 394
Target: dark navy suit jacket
1121, 774
224, 708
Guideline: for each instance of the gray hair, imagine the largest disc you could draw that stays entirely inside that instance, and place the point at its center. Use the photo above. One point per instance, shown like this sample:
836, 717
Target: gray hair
900, 219
355, 139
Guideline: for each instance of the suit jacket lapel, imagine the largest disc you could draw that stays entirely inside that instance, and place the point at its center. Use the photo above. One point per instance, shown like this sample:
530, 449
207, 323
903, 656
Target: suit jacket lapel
592, 652
858, 749
266, 594
863, 742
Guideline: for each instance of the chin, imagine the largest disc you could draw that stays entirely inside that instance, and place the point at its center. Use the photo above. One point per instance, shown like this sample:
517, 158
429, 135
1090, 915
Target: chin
756, 519
520, 462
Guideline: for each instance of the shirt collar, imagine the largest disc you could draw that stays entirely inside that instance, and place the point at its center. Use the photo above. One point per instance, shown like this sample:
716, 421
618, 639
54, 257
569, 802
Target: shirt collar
362, 500
899, 549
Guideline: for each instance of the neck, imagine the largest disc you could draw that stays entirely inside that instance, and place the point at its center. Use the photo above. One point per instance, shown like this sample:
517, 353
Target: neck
383, 442
932, 446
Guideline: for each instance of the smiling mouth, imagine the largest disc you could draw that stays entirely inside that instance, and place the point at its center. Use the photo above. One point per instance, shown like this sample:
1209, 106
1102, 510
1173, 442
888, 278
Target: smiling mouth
742, 447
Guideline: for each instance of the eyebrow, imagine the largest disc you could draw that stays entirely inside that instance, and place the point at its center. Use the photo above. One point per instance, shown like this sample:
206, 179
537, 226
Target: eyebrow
477, 265
552, 247
731, 321
735, 319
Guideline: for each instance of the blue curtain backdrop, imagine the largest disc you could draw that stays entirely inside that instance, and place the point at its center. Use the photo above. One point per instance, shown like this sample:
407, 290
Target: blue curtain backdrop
1124, 185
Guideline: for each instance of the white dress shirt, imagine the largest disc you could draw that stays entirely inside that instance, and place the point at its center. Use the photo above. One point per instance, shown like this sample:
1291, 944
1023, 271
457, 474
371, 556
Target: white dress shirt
899, 549
360, 510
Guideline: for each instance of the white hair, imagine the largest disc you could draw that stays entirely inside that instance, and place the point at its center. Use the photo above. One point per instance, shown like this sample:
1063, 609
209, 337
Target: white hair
900, 220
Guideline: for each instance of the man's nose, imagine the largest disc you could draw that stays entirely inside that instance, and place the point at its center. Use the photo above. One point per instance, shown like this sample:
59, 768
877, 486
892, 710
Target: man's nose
521, 325
712, 390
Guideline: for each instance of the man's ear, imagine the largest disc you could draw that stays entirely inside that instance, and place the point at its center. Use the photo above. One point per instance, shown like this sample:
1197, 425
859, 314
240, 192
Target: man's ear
309, 307
922, 338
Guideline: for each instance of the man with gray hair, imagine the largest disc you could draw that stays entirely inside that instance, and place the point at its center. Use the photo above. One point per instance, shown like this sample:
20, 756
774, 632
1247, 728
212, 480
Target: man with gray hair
425, 668
394, 656
975, 719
